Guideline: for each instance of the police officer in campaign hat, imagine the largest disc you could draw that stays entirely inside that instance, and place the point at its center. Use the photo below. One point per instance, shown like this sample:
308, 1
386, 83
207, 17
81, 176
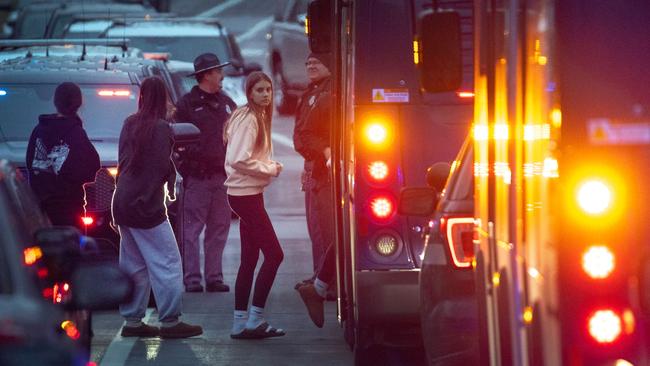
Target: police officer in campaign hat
204, 202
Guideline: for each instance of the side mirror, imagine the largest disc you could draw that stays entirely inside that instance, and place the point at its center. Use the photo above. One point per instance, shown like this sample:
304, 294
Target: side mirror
252, 66
319, 26
185, 134
442, 65
437, 175
419, 201
99, 286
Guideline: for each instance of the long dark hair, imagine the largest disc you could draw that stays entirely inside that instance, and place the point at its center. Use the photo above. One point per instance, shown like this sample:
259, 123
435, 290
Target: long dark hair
152, 107
262, 114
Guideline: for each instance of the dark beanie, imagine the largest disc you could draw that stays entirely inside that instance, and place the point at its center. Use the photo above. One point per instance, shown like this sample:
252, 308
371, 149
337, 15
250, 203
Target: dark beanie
67, 98
324, 58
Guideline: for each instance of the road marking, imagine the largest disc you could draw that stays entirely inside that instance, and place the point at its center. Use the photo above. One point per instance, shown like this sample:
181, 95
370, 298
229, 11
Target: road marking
251, 32
282, 140
219, 8
120, 348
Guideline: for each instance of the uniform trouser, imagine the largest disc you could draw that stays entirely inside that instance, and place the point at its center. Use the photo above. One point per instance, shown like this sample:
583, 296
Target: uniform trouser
257, 234
204, 205
320, 212
151, 258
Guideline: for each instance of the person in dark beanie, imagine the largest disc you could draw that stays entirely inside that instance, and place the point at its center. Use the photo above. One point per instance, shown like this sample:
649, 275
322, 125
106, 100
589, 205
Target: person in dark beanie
203, 201
148, 249
311, 139
60, 158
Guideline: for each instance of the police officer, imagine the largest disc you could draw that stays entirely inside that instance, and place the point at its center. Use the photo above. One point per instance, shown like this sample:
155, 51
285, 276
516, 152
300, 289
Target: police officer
204, 202
311, 139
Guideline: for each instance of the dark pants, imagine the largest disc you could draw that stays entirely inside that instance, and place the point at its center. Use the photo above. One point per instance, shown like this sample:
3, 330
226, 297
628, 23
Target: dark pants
319, 208
64, 214
257, 234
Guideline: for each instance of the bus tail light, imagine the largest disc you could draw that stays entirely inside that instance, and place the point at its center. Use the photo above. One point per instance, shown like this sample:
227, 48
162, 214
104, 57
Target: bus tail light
386, 245
605, 326
598, 262
378, 171
459, 233
382, 207
594, 197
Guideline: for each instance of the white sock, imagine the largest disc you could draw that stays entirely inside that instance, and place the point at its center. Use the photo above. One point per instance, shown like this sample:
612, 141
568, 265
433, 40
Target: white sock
255, 317
239, 321
321, 287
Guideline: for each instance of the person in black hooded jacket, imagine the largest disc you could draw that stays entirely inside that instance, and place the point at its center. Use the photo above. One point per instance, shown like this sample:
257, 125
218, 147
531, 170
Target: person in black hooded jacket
60, 158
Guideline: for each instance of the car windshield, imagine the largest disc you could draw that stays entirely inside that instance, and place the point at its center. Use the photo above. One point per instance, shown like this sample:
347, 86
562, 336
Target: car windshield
103, 111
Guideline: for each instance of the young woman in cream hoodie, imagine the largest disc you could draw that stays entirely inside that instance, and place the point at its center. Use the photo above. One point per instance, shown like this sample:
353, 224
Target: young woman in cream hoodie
249, 170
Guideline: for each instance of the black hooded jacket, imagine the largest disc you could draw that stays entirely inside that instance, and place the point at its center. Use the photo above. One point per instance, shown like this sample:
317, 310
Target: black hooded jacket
60, 159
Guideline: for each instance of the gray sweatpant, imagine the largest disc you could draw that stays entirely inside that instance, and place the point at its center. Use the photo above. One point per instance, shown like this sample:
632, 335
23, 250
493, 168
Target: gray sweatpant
151, 258
204, 205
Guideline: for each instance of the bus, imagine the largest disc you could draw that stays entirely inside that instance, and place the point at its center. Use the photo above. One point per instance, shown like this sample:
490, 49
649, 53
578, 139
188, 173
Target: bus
562, 181
399, 105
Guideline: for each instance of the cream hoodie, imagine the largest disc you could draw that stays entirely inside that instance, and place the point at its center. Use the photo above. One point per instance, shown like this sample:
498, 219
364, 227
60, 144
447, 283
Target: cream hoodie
248, 171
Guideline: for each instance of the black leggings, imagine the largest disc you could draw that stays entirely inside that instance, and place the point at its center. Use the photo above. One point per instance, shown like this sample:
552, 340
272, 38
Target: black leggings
256, 232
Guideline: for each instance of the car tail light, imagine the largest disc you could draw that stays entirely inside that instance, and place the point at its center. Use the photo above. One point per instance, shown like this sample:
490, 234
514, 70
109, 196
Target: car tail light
605, 326
60, 293
382, 207
32, 254
378, 171
598, 261
113, 93
70, 329
87, 220
459, 233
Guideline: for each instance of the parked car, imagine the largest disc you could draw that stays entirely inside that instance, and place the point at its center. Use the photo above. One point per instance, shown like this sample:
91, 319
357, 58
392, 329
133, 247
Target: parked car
448, 308
50, 279
183, 39
288, 51
31, 20
64, 14
109, 85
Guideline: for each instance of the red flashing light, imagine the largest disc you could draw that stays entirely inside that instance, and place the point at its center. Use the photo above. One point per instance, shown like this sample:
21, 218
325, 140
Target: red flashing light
382, 207
113, 93
459, 232
87, 220
605, 326
378, 171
